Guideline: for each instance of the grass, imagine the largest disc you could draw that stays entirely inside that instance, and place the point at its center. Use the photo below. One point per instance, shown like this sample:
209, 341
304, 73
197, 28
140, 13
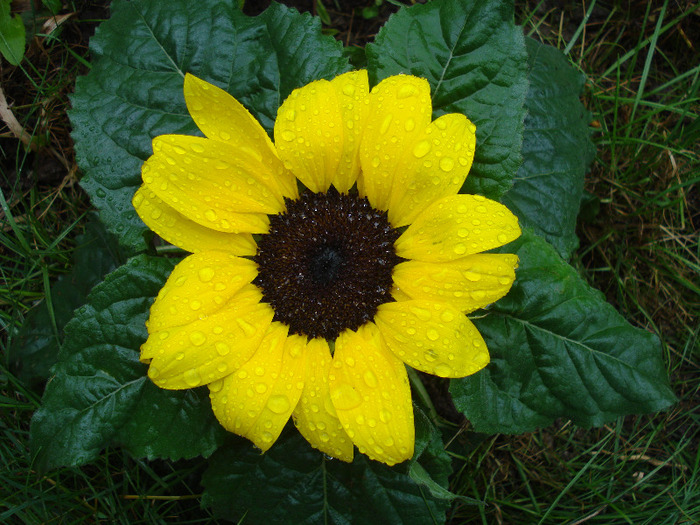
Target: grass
639, 245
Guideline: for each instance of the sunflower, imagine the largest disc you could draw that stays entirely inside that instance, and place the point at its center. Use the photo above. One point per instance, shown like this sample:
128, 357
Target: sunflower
322, 263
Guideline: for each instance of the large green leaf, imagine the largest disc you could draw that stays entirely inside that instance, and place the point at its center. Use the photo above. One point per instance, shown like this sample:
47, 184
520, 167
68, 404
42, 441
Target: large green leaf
12, 34
474, 58
559, 350
134, 90
99, 394
34, 350
293, 483
557, 150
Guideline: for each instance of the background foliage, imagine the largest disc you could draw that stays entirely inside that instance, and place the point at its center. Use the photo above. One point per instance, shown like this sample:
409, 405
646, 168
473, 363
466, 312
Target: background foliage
36, 244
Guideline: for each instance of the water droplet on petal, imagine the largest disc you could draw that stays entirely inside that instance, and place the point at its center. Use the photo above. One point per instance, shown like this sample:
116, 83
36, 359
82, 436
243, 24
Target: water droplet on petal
430, 356
206, 274
502, 237
278, 404
288, 135
345, 397
261, 388
197, 148
386, 123
197, 338
446, 164
222, 348
421, 149
472, 276
210, 215
349, 89
406, 91
432, 334
370, 378
460, 248
192, 377
442, 370
410, 124
384, 415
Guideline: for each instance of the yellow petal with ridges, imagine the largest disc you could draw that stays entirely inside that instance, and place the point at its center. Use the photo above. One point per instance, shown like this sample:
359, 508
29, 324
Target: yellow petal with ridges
199, 286
257, 400
433, 337
399, 111
184, 233
222, 118
371, 395
467, 283
318, 131
352, 90
212, 184
457, 226
315, 416
435, 167
208, 349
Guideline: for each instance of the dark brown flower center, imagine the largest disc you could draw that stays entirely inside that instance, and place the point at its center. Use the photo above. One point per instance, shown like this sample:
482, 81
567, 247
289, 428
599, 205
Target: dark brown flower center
325, 265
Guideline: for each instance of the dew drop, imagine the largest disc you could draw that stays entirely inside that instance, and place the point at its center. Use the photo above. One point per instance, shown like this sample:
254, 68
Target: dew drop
222, 349
197, 148
156, 214
446, 164
375, 162
460, 248
463, 232
370, 378
386, 123
349, 89
192, 377
504, 280
247, 328
278, 404
405, 91
409, 125
206, 274
420, 313
211, 215
225, 135
259, 371
430, 356
345, 397
384, 415
502, 238
442, 370
421, 149
197, 338
288, 135
195, 305
179, 356
472, 276
432, 334
261, 388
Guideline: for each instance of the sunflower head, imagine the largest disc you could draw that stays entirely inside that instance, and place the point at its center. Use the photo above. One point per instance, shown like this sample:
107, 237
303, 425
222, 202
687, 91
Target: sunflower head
323, 263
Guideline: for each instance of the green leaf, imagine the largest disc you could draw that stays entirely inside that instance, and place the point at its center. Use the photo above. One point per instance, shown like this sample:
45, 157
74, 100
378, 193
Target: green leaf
557, 150
558, 350
474, 58
134, 89
100, 395
12, 34
34, 350
293, 483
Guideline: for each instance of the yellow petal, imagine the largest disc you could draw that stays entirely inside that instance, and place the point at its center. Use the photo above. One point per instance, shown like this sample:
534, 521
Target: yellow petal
399, 111
184, 233
212, 184
199, 286
208, 349
371, 395
318, 129
222, 118
257, 400
352, 90
457, 226
435, 167
467, 283
315, 416
433, 337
